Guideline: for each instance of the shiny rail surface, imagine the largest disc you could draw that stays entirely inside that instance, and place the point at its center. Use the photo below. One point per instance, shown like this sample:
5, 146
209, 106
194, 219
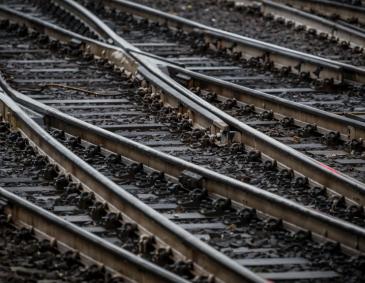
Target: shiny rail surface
204, 140
189, 195
354, 14
37, 194
340, 186
128, 148
343, 32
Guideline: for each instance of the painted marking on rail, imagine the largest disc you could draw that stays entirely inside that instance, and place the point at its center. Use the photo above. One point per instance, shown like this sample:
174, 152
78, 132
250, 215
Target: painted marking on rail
328, 168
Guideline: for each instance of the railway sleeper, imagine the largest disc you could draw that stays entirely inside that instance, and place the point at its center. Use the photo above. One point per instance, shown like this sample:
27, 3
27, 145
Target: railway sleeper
38, 249
66, 197
189, 197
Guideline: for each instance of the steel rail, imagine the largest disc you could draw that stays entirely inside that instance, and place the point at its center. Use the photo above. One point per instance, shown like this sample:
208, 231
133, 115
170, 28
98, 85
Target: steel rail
21, 210
329, 8
96, 23
297, 61
199, 116
350, 236
93, 22
303, 164
224, 268
24, 213
306, 166
254, 201
348, 128
98, 26
250, 47
344, 33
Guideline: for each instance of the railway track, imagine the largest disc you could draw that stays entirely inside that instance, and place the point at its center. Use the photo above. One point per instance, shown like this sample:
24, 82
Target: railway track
339, 98
146, 124
249, 20
204, 215
25, 257
140, 120
330, 152
352, 12
38, 195
346, 33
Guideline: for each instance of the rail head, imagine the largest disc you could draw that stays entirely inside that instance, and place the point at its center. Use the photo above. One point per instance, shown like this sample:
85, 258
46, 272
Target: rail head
68, 233
134, 267
307, 166
130, 63
349, 235
280, 55
118, 140
94, 22
350, 128
343, 33
170, 233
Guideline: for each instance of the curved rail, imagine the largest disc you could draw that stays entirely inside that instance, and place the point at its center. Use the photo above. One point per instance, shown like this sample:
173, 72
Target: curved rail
64, 231
320, 224
317, 171
149, 219
199, 116
249, 47
344, 33
349, 235
113, 142
317, 67
329, 8
349, 128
